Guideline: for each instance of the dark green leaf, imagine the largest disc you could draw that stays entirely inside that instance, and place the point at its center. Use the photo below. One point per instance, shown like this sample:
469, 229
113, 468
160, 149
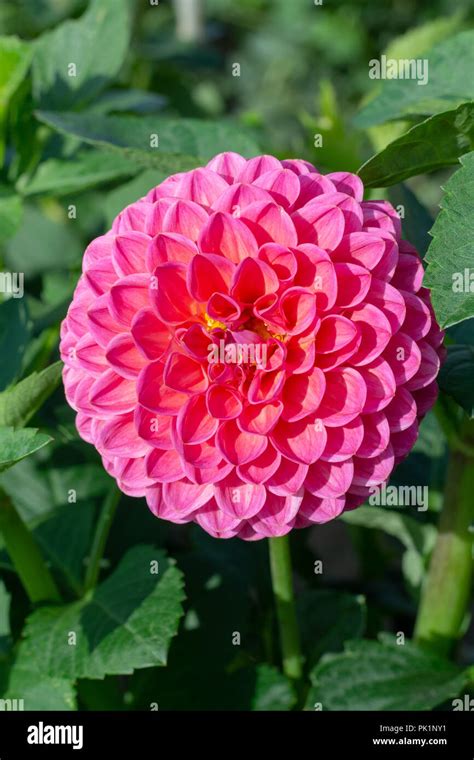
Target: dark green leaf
18, 444
456, 376
11, 210
128, 622
416, 222
15, 57
96, 44
66, 548
382, 675
87, 169
327, 619
42, 244
448, 85
418, 538
19, 403
183, 143
437, 142
43, 693
273, 690
14, 334
130, 100
450, 274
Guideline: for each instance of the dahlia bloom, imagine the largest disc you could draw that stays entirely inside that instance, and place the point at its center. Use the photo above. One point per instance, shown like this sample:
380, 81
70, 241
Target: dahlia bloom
250, 346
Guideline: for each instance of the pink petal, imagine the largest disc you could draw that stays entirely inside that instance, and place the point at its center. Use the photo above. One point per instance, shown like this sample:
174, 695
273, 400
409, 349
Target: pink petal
208, 274
237, 446
288, 479
343, 442
344, 398
184, 374
128, 296
223, 402
302, 442
282, 184
129, 251
112, 394
228, 237
124, 357
169, 294
302, 395
118, 437
185, 217
194, 424
240, 500
319, 223
328, 480
376, 435
164, 466
260, 418
151, 336
169, 246
262, 468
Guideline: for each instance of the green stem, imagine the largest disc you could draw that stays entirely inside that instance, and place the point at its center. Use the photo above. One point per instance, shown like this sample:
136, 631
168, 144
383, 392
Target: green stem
280, 566
447, 587
26, 555
100, 538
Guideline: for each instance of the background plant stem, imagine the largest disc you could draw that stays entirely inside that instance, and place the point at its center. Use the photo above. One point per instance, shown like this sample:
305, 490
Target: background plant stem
280, 566
447, 586
100, 538
26, 555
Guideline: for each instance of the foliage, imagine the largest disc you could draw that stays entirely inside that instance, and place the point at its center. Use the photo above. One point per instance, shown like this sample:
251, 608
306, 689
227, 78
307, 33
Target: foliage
98, 103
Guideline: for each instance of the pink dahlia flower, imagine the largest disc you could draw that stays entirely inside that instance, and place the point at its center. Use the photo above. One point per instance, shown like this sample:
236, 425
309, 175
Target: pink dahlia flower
250, 346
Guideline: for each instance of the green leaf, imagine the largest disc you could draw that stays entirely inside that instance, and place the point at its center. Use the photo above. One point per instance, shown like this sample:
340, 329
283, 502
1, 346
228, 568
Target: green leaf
420, 39
19, 403
417, 222
451, 253
129, 100
130, 192
18, 444
418, 538
40, 694
86, 169
11, 210
272, 690
183, 143
448, 86
42, 244
327, 619
15, 57
14, 335
126, 623
381, 675
68, 549
5, 633
96, 44
437, 142
218, 605
455, 377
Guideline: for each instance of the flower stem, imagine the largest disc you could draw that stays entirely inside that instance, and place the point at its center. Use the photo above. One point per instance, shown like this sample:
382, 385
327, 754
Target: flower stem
100, 538
280, 566
447, 586
26, 555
